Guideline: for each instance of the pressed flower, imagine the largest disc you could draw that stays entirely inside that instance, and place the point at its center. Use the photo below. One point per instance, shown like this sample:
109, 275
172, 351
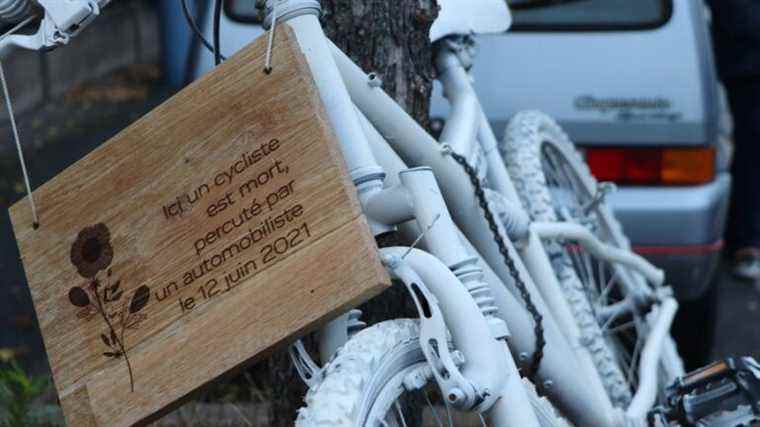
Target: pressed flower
139, 299
92, 251
79, 297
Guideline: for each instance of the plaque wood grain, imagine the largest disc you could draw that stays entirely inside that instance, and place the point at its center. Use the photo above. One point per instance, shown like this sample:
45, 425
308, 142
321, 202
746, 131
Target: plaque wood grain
218, 226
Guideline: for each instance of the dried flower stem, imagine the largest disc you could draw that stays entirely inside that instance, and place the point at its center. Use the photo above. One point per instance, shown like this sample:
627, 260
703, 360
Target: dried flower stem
119, 341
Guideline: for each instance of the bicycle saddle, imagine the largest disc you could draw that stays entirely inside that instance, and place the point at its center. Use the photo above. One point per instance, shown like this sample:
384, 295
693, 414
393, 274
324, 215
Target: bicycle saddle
465, 17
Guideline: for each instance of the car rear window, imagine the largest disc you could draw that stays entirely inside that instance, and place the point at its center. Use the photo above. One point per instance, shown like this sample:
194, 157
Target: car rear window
545, 15
589, 15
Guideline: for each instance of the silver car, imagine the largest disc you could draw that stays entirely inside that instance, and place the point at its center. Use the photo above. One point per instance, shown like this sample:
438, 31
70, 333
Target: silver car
633, 83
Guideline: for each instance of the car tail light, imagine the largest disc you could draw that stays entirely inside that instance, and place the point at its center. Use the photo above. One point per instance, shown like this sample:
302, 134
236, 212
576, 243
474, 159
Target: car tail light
652, 166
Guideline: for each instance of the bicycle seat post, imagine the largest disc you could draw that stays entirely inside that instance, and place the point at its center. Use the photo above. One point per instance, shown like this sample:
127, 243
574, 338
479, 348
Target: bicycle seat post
287, 9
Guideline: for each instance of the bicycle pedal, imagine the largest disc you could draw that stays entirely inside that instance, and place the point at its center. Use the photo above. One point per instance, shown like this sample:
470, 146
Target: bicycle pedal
723, 394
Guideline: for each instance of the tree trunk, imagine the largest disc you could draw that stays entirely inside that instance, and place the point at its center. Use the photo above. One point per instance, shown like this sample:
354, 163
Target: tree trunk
389, 38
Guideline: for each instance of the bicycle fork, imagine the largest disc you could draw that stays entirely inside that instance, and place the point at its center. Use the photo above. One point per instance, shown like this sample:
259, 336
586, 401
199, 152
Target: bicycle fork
451, 294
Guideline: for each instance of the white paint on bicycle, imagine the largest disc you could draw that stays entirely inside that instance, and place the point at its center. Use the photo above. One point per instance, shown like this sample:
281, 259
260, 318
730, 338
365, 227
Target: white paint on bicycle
464, 17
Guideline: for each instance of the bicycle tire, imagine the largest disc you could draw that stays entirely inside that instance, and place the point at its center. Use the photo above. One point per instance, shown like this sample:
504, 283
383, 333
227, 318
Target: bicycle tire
360, 375
526, 135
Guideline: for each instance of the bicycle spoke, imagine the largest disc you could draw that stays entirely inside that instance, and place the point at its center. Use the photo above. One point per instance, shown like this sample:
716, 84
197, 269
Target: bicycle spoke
560, 182
589, 269
587, 281
547, 158
585, 274
634, 362
641, 326
400, 413
569, 179
607, 288
619, 328
432, 409
448, 412
557, 181
601, 273
578, 264
608, 322
623, 356
590, 287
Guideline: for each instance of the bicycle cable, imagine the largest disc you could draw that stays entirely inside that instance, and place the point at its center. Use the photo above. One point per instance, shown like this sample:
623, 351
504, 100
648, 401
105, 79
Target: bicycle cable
196, 30
217, 31
538, 328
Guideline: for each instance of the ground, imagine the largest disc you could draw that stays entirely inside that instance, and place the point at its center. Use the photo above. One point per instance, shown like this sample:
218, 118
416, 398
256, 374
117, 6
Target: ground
738, 327
59, 133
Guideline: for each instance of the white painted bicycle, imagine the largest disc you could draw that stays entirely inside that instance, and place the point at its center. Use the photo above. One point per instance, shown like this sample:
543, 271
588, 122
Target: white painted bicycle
533, 311
499, 281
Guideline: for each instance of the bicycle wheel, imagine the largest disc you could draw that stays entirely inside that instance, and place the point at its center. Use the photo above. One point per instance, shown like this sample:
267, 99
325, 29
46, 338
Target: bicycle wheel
368, 383
555, 184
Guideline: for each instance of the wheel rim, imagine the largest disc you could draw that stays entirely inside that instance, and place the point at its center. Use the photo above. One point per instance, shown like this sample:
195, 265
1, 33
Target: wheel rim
571, 198
388, 404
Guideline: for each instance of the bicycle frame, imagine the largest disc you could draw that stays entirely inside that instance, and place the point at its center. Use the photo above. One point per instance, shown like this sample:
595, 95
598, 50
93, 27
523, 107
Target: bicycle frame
378, 138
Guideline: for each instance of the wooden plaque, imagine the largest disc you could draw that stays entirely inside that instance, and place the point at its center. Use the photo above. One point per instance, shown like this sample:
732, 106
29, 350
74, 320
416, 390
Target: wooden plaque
214, 228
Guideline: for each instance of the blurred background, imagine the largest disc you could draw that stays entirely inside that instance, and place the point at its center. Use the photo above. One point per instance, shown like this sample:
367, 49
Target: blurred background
634, 83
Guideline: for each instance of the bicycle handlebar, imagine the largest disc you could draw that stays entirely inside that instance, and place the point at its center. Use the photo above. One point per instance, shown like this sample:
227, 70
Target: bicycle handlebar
61, 21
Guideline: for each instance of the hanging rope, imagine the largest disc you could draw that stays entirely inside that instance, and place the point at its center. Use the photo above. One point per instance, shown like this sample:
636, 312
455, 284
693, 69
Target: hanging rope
9, 106
270, 41
18, 26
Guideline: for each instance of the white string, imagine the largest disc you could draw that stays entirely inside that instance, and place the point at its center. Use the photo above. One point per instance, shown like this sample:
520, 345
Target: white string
270, 41
417, 240
9, 106
18, 26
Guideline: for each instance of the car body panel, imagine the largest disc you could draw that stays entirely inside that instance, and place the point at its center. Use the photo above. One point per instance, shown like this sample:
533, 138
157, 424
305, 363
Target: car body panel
456, 17
664, 216
606, 87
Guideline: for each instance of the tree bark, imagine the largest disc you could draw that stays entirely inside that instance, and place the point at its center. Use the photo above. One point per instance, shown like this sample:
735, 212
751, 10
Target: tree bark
389, 38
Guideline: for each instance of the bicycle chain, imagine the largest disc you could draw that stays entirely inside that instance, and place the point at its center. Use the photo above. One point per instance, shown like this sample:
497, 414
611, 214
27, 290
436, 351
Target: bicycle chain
538, 329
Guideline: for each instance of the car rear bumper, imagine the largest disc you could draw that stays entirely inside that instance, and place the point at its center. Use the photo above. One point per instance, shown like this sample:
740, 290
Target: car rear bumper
688, 270
680, 229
